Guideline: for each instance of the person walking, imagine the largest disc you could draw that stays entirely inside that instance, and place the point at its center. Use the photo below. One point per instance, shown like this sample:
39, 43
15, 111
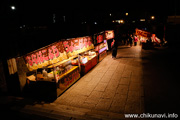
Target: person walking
130, 40
135, 40
114, 48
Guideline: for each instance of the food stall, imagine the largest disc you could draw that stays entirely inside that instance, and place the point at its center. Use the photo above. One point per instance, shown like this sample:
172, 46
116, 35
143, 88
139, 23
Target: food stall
100, 46
147, 39
54, 68
50, 70
84, 52
144, 38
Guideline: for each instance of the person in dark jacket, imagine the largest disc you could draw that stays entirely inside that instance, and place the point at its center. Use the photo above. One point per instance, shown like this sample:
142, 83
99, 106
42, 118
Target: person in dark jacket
130, 40
114, 48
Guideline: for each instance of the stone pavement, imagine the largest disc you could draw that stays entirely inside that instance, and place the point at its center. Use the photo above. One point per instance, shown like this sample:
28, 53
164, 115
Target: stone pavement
111, 86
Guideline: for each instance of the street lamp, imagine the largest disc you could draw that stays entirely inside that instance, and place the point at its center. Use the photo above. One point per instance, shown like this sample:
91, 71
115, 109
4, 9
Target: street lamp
152, 17
13, 7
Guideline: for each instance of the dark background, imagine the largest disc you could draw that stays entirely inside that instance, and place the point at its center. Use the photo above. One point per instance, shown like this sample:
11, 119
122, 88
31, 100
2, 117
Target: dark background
36, 23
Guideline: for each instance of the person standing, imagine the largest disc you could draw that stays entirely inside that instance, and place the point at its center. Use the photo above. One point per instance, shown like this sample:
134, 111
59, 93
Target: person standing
130, 40
135, 40
114, 48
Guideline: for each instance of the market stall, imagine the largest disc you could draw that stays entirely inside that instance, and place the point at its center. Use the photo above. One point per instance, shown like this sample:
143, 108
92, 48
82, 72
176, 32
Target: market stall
147, 39
100, 46
84, 52
57, 66
50, 70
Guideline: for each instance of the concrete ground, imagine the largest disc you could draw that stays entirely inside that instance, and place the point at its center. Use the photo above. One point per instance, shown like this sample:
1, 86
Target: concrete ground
138, 81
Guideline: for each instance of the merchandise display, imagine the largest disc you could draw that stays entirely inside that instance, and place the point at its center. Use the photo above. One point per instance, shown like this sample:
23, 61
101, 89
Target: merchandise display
87, 56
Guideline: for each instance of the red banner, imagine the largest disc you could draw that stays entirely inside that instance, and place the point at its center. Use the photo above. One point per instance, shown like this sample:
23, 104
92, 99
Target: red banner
143, 33
77, 45
46, 56
57, 52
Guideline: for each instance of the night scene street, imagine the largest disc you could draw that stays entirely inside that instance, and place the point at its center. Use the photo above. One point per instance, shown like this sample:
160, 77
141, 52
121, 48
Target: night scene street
89, 60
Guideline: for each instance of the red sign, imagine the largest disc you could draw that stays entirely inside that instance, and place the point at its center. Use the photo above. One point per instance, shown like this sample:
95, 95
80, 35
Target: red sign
57, 52
45, 56
77, 45
143, 33
99, 38
109, 35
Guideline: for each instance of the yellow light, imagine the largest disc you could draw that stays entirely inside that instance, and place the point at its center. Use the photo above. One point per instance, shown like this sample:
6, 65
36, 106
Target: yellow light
126, 14
121, 21
142, 20
152, 17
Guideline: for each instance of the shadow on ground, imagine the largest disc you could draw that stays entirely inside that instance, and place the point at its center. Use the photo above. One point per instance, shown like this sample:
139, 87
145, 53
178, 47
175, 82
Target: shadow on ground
161, 78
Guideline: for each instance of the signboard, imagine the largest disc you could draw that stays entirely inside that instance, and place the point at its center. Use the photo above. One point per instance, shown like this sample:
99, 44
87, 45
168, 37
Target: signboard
45, 56
77, 45
143, 33
99, 38
109, 34
57, 52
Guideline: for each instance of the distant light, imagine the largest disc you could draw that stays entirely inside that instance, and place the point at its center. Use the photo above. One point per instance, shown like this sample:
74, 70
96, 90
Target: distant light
133, 21
118, 21
121, 21
83, 22
152, 17
142, 20
13, 7
64, 18
126, 14
110, 14
95, 23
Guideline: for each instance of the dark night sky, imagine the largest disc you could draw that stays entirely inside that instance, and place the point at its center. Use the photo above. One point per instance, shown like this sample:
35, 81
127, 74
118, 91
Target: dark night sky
37, 9
40, 12
69, 7
30, 11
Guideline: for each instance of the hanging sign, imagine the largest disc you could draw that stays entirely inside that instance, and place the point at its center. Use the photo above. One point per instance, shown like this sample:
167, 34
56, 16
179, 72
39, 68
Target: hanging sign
77, 45
143, 33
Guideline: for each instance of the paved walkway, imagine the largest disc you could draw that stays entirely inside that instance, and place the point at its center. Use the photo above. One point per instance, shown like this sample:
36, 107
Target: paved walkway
112, 86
